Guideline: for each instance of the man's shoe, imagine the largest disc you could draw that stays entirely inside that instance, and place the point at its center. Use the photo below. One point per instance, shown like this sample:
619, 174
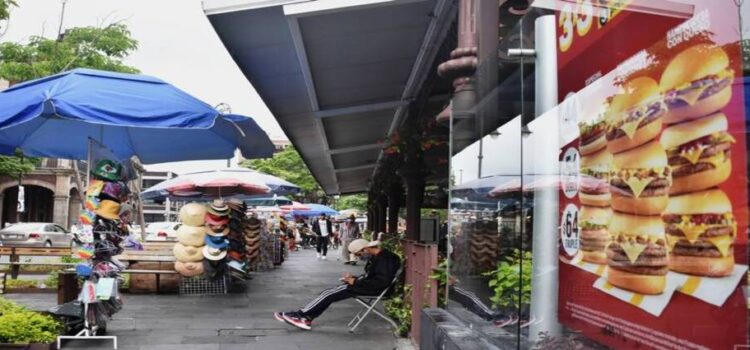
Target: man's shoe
298, 321
353, 263
279, 316
324, 257
318, 255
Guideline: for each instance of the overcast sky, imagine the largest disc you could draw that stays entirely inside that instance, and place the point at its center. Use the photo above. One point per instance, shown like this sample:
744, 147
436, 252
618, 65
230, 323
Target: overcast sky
176, 44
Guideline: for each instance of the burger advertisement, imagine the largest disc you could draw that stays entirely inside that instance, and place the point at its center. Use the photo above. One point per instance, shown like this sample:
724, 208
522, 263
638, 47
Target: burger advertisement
653, 239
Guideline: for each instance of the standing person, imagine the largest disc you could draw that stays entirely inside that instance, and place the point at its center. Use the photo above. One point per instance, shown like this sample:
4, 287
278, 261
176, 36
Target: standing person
349, 232
322, 228
380, 270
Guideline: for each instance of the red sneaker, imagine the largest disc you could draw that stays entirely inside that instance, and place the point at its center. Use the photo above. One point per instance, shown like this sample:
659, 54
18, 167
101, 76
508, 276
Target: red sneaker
298, 321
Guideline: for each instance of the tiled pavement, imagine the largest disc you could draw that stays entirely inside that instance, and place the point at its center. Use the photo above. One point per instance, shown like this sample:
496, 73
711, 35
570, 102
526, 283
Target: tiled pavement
241, 320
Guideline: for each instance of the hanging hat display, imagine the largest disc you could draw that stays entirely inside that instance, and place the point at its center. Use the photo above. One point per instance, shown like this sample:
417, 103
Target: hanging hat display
191, 235
108, 209
214, 254
107, 169
218, 208
216, 220
193, 214
217, 230
189, 269
217, 242
116, 191
187, 253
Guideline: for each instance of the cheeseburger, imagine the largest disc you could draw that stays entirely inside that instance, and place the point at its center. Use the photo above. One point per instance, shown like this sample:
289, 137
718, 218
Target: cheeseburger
700, 231
595, 170
594, 234
640, 180
637, 256
635, 116
592, 136
698, 152
698, 81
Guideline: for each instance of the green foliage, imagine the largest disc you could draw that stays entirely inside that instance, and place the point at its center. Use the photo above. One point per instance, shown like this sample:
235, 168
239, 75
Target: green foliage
353, 201
18, 165
5, 6
367, 235
70, 260
81, 47
288, 165
440, 274
21, 326
394, 245
20, 283
510, 275
399, 309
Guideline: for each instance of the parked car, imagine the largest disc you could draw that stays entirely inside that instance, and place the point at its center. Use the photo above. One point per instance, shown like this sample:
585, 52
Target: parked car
162, 231
36, 234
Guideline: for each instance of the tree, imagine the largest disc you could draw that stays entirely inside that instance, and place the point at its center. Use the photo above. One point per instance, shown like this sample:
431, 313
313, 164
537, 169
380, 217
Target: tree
353, 201
289, 166
81, 47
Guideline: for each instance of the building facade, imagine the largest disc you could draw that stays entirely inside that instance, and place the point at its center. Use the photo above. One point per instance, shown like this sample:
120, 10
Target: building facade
154, 211
50, 195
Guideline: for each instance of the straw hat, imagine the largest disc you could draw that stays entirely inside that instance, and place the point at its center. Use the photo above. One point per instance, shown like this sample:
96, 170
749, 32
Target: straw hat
189, 269
108, 209
192, 214
217, 242
187, 253
216, 220
218, 208
216, 231
191, 235
214, 253
358, 244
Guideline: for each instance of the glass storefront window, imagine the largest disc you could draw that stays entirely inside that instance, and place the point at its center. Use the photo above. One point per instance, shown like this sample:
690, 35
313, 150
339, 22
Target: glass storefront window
599, 183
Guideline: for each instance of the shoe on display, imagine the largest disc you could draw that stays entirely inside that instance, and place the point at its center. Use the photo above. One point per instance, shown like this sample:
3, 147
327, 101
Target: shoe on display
297, 320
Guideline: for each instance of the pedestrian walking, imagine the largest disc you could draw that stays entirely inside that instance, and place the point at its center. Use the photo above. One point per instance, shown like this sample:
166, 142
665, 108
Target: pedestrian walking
349, 232
382, 266
323, 229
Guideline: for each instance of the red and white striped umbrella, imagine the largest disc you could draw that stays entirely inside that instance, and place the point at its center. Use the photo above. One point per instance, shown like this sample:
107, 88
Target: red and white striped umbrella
212, 184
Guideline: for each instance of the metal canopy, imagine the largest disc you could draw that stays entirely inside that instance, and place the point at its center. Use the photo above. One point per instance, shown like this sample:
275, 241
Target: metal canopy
336, 74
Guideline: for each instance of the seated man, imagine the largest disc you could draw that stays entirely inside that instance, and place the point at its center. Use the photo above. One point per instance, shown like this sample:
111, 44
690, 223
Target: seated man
382, 266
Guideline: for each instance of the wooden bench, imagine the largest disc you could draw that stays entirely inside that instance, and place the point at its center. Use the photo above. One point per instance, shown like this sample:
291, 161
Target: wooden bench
15, 253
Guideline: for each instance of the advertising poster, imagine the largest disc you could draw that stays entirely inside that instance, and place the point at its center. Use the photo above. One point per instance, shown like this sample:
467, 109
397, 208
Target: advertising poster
653, 197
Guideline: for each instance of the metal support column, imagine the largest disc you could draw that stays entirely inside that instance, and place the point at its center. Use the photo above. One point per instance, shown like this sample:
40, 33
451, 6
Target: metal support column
544, 284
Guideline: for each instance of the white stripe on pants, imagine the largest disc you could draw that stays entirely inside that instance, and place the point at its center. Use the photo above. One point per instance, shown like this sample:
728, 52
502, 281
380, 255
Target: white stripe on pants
322, 295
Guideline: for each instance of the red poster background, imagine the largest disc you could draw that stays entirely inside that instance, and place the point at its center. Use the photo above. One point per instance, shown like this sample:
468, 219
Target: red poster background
599, 52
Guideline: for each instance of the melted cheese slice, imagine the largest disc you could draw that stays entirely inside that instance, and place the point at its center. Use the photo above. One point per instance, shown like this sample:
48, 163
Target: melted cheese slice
630, 127
722, 243
692, 96
638, 185
633, 250
672, 241
715, 160
693, 154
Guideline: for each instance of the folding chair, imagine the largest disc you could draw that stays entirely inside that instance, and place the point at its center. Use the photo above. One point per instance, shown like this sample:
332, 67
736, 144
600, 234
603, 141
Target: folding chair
369, 303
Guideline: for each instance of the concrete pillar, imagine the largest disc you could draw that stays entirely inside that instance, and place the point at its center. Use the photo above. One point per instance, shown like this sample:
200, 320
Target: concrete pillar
60, 210
61, 205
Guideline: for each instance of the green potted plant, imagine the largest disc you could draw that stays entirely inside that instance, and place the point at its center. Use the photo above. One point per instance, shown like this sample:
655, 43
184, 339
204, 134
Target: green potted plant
21, 328
511, 281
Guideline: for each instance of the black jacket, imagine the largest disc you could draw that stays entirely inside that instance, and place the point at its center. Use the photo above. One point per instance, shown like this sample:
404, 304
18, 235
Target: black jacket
316, 227
379, 273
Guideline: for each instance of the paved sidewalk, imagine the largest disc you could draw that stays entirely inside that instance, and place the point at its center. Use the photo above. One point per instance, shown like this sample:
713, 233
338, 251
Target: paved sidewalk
241, 320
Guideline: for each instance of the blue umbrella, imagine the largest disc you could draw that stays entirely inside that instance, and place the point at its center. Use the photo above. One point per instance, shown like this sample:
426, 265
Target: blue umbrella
131, 114
317, 209
207, 184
